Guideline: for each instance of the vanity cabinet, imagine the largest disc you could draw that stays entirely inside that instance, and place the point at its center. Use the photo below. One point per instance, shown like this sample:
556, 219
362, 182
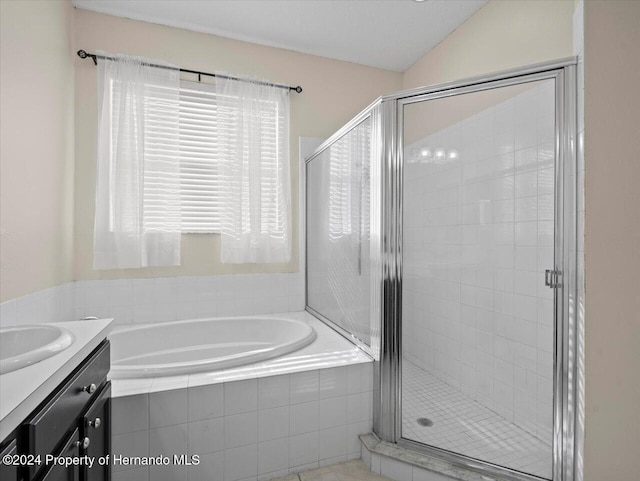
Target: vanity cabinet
74, 420
8, 471
97, 428
70, 448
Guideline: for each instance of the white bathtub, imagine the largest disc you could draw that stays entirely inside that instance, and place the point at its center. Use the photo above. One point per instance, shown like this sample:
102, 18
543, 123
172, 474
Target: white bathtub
185, 347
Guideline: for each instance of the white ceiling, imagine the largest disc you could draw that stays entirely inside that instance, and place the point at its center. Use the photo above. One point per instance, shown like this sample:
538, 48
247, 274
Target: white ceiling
390, 34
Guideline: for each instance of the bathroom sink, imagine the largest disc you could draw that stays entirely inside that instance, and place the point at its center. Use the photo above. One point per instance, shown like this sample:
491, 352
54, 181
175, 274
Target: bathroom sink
21, 346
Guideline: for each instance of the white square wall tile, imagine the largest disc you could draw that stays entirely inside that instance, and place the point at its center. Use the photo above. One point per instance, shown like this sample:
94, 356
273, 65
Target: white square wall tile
241, 396
360, 377
303, 449
205, 436
359, 407
241, 463
273, 391
171, 472
168, 440
304, 387
211, 467
129, 413
332, 412
130, 444
353, 435
137, 474
240, 429
273, 423
273, 456
333, 382
333, 442
303, 418
167, 408
205, 402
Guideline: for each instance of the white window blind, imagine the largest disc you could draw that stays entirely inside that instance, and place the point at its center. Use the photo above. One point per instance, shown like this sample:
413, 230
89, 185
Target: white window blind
205, 116
199, 162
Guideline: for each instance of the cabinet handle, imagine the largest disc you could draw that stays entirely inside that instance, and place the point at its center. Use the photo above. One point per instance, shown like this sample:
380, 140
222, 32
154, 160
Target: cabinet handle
95, 423
84, 444
91, 388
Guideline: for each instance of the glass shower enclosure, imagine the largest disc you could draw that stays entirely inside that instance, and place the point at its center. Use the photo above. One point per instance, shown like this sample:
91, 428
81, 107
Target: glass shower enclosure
440, 238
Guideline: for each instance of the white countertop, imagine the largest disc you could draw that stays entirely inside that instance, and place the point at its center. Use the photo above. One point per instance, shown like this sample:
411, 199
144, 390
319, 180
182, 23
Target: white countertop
21, 391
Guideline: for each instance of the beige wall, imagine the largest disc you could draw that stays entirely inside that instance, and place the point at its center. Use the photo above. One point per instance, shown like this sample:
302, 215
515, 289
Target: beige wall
334, 91
36, 146
612, 240
501, 35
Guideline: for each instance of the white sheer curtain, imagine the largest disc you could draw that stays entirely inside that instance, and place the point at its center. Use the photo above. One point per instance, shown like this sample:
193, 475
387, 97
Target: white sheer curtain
253, 147
137, 214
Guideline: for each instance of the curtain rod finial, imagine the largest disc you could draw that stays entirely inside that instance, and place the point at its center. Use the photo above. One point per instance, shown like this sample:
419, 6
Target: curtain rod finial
84, 54
298, 89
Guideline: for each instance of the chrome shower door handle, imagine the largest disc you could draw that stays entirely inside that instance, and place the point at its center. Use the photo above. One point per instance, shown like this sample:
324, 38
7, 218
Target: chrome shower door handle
552, 278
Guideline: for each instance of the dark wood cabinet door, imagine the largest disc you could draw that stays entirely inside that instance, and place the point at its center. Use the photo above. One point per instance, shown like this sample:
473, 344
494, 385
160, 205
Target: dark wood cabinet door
9, 472
96, 427
62, 473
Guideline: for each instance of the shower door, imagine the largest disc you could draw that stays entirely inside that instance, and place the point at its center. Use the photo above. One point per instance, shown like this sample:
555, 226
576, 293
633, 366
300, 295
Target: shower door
478, 175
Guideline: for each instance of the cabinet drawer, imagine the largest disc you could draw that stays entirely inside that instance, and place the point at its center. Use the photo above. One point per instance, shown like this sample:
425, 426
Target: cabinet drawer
96, 427
44, 431
62, 473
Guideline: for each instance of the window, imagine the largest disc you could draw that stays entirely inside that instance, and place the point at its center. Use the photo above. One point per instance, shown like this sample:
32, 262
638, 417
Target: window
177, 157
200, 170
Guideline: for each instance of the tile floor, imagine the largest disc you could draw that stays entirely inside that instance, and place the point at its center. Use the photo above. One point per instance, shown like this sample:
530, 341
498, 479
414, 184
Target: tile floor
351, 471
462, 425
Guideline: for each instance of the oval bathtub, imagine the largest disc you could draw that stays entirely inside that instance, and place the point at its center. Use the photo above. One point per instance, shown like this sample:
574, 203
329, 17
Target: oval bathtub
183, 347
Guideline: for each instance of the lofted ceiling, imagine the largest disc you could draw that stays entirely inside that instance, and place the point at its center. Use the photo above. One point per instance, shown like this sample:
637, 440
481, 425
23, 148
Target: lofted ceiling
389, 34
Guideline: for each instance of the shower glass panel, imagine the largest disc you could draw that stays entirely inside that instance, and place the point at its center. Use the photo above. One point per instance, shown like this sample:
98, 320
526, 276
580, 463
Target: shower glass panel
478, 234
338, 233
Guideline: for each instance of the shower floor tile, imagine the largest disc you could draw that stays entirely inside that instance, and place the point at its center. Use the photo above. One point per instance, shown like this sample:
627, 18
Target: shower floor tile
464, 426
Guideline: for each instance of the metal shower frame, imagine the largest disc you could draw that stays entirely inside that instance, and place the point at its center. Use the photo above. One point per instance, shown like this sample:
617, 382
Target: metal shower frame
386, 211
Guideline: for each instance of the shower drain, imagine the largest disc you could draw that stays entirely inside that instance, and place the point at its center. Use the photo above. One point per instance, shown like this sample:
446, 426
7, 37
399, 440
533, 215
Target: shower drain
425, 422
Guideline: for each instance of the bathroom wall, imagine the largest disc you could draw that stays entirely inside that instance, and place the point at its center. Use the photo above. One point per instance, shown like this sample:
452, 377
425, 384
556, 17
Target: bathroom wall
612, 239
333, 92
501, 35
478, 234
36, 146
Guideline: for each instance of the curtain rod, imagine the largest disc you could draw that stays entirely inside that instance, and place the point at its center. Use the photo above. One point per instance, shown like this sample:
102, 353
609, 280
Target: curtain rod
94, 57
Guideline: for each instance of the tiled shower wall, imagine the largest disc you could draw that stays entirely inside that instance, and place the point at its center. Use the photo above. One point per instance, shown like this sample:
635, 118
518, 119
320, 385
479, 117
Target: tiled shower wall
159, 299
478, 235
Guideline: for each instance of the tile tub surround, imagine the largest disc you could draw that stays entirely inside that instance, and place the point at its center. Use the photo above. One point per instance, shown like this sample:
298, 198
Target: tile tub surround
252, 429
478, 234
56, 304
160, 299
132, 301
259, 421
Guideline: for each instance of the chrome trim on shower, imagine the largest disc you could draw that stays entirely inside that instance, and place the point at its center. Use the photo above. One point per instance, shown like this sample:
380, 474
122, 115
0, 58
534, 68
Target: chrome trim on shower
386, 419
563, 72
386, 258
